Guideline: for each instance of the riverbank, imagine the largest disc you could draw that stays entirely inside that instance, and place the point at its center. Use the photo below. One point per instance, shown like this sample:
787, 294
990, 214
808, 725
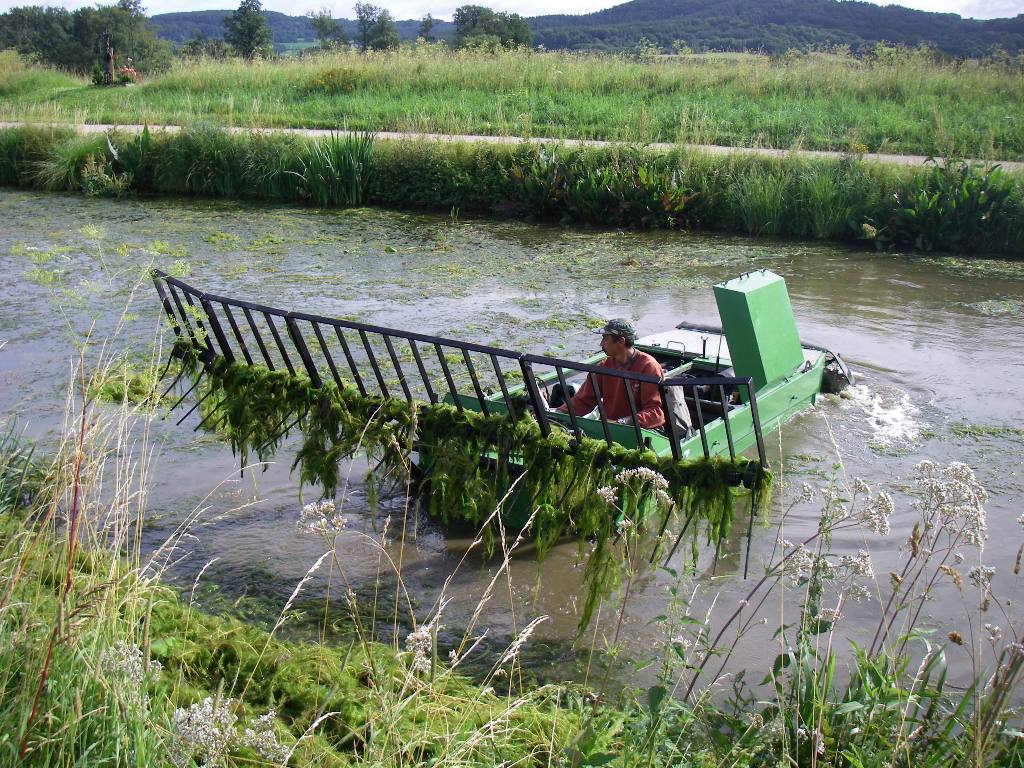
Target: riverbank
943, 207
900, 102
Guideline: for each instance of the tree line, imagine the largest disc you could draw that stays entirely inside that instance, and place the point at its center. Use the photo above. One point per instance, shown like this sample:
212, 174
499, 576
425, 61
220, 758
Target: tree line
74, 40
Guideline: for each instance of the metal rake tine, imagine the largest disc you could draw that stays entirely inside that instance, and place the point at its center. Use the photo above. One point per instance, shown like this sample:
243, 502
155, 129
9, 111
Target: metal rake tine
283, 432
679, 538
197, 404
661, 532
750, 536
197, 427
187, 393
173, 383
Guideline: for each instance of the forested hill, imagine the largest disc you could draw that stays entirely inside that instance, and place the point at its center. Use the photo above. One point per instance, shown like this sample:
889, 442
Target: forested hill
774, 26
284, 29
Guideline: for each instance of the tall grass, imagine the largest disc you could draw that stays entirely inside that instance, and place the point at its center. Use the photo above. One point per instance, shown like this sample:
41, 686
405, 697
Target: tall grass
907, 104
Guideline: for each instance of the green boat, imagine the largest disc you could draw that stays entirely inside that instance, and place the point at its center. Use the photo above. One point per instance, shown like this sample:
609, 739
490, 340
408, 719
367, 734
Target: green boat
738, 381
268, 372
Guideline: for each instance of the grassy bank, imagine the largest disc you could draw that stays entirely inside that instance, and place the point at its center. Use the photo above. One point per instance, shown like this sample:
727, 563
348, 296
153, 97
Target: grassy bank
952, 208
102, 663
906, 104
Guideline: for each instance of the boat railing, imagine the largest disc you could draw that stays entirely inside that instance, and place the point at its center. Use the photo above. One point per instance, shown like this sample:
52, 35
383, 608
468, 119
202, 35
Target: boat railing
388, 362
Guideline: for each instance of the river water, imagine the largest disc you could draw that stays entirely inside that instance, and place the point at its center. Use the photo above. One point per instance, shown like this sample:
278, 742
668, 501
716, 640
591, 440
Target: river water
937, 343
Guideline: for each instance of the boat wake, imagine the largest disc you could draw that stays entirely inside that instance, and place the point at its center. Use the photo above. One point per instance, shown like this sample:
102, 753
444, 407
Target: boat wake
890, 415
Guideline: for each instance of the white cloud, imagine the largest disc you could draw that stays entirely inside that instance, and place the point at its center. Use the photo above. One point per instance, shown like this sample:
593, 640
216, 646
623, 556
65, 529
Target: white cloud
414, 9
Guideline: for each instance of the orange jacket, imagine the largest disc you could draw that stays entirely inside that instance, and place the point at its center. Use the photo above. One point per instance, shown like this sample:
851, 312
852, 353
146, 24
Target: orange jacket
649, 411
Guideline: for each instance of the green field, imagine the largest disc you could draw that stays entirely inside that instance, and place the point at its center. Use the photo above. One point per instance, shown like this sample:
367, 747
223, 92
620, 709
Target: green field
908, 104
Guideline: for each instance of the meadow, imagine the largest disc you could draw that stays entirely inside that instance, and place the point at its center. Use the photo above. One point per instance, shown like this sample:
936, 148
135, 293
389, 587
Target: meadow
906, 102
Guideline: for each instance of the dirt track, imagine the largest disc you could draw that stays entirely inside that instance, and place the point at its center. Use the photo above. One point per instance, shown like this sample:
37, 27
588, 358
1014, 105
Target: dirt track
1008, 165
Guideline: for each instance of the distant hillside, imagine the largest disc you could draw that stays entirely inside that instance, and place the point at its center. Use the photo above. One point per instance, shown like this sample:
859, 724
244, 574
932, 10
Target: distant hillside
774, 26
284, 29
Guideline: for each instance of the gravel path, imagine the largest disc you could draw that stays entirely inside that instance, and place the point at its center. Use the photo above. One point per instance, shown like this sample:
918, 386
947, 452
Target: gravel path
1008, 165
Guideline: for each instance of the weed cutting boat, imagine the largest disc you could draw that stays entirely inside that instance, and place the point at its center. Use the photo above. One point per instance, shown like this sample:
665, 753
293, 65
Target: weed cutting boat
477, 421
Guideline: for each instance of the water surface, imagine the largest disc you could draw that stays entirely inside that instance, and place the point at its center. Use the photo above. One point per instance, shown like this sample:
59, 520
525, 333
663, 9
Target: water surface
937, 343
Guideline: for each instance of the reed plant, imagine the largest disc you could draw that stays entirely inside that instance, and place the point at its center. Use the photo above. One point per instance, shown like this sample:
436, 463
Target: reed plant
336, 171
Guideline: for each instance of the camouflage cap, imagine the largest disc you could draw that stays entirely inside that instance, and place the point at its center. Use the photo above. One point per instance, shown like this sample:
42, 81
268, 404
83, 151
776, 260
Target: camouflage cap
619, 326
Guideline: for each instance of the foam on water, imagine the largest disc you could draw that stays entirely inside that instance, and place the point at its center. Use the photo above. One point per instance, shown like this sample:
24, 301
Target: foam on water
889, 414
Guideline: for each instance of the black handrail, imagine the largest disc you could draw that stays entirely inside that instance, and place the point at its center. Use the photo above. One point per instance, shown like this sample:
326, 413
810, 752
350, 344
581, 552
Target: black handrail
189, 327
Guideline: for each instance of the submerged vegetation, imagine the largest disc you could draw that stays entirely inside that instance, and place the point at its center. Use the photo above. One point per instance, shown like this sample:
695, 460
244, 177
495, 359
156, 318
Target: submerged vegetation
946, 206
901, 101
102, 661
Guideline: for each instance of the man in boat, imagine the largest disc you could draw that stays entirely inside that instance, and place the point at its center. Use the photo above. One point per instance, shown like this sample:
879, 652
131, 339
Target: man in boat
617, 338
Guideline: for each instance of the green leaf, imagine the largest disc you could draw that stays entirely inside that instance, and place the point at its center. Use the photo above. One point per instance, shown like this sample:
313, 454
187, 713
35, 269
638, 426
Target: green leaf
655, 698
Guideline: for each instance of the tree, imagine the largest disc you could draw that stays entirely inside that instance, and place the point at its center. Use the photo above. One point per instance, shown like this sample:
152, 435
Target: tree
426, 29
199, 46
246, 30
73, 40
375, 29
477, 26
384, 33
328, 31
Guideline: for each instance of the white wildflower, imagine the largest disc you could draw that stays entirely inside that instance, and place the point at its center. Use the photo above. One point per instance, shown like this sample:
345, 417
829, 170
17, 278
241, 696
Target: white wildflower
858, 592
1020, 521
321, 517
806, 493
206, 729
261, 738
421, 644
624, 526
818, 739
125, 660
958, 558
981, 577
801, 562
512, 653
663, 498
609, 494
876, 513
682, 641
859, 565
831, 615
860, 485
955, 493
644, 476
994, 632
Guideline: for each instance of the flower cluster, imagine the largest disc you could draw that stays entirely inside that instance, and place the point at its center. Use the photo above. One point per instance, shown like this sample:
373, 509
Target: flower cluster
206, 729
955, 493
859, 565
876, 513
125, 660
321, 517
420, 643
643, 476
261, 738
609, 494
209, 731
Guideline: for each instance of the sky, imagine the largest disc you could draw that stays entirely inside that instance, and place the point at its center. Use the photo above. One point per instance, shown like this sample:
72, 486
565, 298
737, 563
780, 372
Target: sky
442, 9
